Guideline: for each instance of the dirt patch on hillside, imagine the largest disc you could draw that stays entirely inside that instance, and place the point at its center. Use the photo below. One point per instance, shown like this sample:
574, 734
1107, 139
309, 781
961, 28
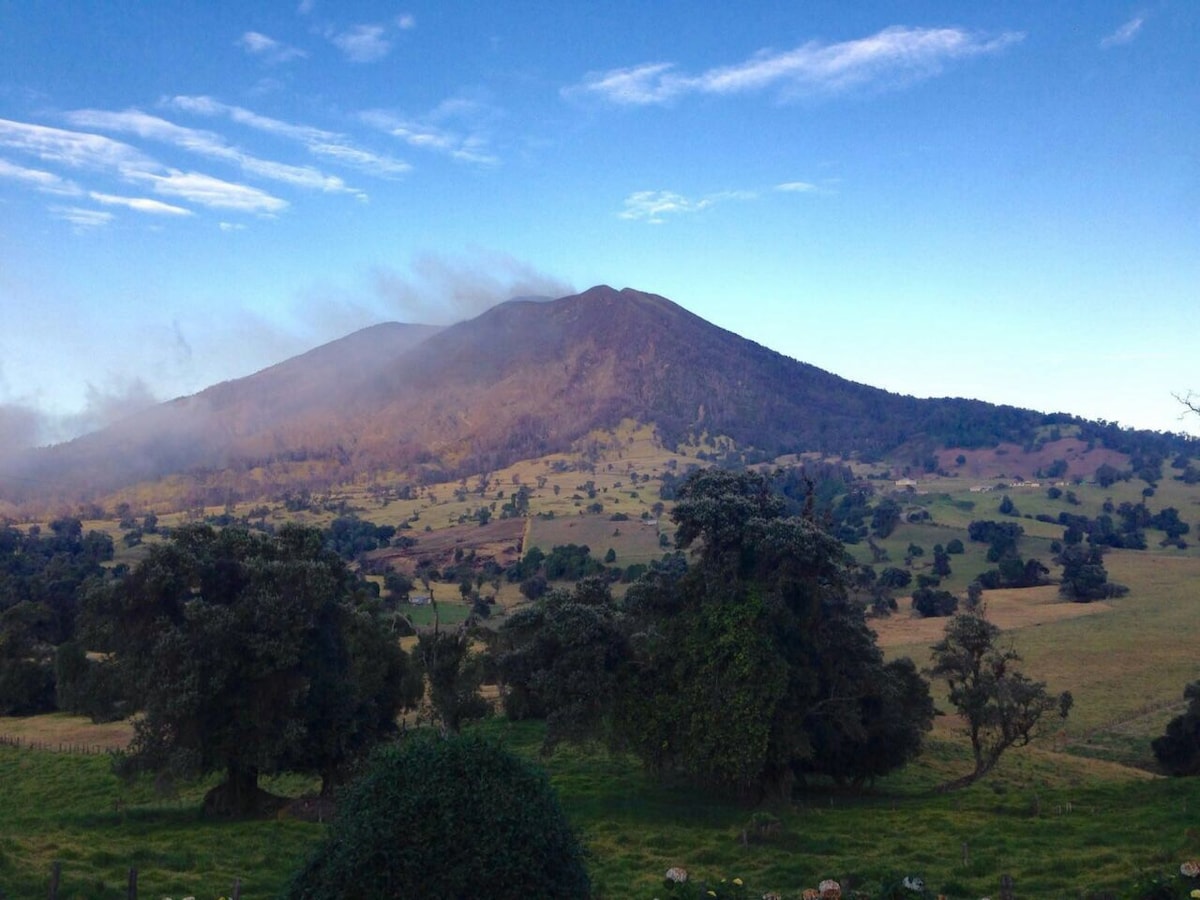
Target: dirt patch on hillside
1011, 461
499, 542
1008, 609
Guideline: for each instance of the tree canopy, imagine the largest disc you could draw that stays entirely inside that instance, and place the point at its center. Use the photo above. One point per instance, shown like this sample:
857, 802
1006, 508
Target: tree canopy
1178, 748
250, 654
459, 817
746, 670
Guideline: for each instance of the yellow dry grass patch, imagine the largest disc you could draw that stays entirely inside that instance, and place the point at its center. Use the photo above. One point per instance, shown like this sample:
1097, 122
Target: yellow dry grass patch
1007, 609
54, 729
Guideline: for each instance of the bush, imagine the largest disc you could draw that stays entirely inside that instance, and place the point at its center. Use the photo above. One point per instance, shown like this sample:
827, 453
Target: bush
446, 818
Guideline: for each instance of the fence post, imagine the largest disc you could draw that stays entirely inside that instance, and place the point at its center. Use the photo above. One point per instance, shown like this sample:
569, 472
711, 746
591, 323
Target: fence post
133, 884
1006, 888
55, 877
236, 893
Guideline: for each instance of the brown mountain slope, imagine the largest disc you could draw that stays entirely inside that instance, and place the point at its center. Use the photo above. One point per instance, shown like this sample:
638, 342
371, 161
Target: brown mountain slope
521, 380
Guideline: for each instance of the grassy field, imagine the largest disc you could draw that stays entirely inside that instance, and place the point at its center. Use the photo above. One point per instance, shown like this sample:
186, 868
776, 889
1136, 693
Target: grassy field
1076, 812
1061, 826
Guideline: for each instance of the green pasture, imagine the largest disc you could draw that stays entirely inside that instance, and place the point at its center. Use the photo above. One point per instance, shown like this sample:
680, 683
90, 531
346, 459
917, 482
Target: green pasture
1060, 826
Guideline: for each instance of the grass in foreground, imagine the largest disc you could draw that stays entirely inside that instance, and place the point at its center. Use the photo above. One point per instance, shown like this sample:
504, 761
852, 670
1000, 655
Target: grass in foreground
1059, 825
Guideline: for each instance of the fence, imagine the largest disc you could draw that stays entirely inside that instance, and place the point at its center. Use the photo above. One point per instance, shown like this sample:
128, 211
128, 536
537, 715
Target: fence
8, 740
56, 876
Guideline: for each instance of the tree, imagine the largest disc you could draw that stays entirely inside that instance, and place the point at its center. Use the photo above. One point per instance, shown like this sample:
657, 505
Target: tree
885, 517
453, 673
560, 658
1084, 577
446, 818
249, 654
1178, 749
751, 663
1000, 707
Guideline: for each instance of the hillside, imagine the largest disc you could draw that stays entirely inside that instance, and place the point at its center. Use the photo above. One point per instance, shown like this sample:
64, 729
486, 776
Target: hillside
522, 380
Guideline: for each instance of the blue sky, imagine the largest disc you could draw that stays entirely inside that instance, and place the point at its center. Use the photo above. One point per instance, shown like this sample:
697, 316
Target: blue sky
995, 200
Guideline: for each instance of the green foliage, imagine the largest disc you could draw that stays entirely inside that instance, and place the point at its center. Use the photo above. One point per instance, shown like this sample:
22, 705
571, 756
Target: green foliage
559, 659
751, 667
41, 579
1000, 706
454, 674
350, 537
1178, 749
250, 654
570, 562
1084, 577
446, 818
929, 602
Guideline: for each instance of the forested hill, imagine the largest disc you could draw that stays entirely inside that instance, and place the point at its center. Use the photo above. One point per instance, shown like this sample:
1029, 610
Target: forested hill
523, 379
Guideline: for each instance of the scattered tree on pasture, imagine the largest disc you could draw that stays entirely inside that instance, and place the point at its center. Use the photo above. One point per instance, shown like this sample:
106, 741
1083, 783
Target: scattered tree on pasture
1000, 706
1084, 577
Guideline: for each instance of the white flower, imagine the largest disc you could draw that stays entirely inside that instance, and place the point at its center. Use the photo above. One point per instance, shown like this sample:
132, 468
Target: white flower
677, 874
1191, 868
913, 883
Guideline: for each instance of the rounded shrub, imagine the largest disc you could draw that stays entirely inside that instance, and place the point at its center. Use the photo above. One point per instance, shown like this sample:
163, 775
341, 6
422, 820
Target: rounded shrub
459, 817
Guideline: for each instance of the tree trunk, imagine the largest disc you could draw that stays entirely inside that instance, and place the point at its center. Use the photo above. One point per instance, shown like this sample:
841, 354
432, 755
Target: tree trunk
237, 795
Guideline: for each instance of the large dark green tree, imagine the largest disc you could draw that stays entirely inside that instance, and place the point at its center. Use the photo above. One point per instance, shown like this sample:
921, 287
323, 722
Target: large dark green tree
1000, 707
753, 667
746, 670
560, 659
1178, 749
249, 654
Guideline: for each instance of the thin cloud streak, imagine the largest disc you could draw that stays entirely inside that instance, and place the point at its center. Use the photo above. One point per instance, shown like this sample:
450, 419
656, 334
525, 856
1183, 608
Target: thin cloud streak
74, 149
1125, 34
317, 141
206, 143
81, 218
140, 204
427, 134
894, 55
653, 207
47, 182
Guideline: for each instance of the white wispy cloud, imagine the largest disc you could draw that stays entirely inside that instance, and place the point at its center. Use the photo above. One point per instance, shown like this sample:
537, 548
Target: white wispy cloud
455, 128
1124, 34
406, 21
40, 180
74, 149
797, 187
654, 206
895, 55
363, 43
213, 192
231, 226
206, 143
268, 49
140, 204
82, 218
83, 150
318, 141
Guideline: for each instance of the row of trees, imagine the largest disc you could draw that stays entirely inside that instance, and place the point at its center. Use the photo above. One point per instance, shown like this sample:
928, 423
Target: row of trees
750, 669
